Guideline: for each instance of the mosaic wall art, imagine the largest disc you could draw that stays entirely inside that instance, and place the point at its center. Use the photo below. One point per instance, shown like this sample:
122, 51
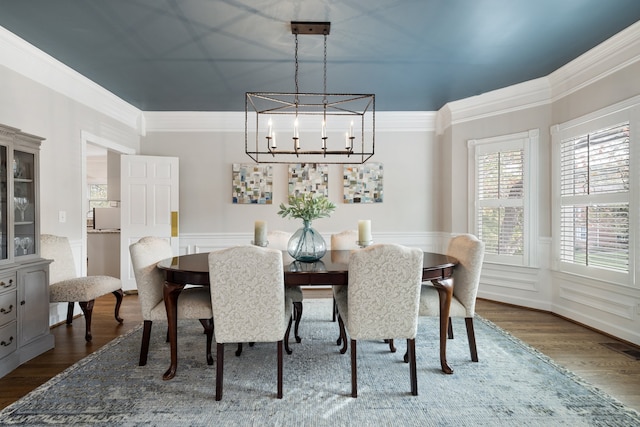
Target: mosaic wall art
308, 178
252, 184
363, 183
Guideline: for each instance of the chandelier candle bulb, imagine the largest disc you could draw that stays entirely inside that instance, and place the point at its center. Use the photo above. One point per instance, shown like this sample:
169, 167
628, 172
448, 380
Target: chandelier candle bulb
324, 129
364, 232
273, 141
295, 129
260, 233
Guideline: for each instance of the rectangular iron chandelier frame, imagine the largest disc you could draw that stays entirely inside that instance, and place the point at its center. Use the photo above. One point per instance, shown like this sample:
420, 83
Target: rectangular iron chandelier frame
337, 118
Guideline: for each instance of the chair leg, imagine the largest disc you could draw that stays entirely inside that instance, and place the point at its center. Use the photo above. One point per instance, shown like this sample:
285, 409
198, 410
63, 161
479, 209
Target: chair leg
335, 310
208, 330
450, 329
280, 369
119, 295
239, 350
87, 309
472, 338
392, 348
354, 370
146, 337
219, 369
413, 369
70, 313
286, 336
343, 335
297, 308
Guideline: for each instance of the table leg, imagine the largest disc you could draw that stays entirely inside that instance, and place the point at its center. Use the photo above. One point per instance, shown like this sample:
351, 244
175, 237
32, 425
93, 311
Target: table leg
445, 294
171, 291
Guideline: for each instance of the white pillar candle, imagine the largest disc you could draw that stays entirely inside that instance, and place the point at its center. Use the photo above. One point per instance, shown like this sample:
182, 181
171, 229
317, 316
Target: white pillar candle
260, 233
364, 231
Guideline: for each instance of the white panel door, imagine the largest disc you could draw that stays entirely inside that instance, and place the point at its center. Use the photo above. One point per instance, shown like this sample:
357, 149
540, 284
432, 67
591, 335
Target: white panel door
149, 205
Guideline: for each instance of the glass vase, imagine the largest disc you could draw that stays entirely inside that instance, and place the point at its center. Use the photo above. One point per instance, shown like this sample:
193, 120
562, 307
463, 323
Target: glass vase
306, 244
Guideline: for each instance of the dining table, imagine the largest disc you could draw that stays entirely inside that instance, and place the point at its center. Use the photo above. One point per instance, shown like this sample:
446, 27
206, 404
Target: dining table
331, 270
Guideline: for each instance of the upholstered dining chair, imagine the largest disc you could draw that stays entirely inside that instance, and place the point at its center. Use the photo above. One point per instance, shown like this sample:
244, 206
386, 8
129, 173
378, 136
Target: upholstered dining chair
66, 286
193, 303
343, 241
382, 301
466, 278
278, 240
248, 301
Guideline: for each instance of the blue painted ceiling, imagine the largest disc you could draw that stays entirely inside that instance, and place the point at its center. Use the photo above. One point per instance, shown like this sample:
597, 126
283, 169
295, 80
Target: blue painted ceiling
203, 55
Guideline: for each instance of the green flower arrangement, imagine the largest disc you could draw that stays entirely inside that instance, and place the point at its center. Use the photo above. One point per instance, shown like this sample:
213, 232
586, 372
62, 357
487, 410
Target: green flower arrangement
307, 207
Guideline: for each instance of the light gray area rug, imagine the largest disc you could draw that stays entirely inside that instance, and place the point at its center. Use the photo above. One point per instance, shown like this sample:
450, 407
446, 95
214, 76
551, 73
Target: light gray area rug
512, 384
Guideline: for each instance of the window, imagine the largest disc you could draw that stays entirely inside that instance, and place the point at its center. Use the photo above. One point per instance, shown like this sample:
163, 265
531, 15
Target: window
502, 185
594, 199
97, 197
596, 194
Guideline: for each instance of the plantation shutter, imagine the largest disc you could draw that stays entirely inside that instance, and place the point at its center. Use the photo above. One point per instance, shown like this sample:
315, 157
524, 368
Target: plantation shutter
500, 201
594, 190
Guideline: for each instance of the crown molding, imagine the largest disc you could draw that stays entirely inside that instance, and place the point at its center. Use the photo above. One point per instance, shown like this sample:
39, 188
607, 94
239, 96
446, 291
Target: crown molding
229, 121
610, 56
614, 54
517, 97
22, 57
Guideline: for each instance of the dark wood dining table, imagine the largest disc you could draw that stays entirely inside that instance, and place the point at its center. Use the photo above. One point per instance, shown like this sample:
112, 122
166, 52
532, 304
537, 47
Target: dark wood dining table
332, 269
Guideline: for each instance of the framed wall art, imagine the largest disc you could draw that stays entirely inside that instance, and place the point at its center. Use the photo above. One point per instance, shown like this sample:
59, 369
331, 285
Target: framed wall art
363, 183
252, 184
308, 178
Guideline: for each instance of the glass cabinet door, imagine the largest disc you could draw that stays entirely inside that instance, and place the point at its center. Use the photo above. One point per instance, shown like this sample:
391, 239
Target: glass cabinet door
23, 203
4, 210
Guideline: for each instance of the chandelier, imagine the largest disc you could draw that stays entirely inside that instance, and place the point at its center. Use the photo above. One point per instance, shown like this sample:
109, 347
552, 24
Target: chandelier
307, 127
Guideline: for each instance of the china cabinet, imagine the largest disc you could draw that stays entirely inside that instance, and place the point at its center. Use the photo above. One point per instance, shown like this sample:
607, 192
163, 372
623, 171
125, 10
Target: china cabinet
24, 275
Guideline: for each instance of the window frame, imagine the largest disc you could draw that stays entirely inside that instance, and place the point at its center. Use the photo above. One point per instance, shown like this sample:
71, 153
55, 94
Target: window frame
528, 142
615, 115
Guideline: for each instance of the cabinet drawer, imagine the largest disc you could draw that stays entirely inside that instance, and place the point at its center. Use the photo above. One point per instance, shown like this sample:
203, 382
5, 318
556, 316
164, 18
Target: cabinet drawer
8, 339
7, 283
8, 307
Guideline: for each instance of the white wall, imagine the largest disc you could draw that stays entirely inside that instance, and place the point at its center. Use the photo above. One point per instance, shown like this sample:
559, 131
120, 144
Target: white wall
206, 159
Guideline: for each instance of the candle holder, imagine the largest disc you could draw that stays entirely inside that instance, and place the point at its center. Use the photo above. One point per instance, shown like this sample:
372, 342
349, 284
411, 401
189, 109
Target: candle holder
364, 244
261, 244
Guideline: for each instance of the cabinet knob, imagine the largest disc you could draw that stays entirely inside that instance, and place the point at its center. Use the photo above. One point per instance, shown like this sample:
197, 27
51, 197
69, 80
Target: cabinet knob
5, 285
5, 343
3, 311
22, 302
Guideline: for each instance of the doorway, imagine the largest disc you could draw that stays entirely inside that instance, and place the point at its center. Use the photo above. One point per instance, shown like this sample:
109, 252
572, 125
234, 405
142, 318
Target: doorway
96, 152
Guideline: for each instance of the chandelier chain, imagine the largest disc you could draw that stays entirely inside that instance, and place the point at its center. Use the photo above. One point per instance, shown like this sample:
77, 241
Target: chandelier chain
296, 70
325, 68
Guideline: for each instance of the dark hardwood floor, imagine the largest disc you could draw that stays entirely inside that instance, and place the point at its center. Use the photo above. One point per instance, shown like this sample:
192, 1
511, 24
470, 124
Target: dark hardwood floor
571, 345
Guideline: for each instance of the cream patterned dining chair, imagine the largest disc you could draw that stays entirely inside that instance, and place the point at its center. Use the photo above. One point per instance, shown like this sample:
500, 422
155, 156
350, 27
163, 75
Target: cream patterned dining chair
193, 303
343, 241
66, 286
278, 240
466, 279
382, 301
248, 301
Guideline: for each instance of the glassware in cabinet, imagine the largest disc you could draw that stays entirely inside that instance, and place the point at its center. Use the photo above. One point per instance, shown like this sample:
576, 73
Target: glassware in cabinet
24, 198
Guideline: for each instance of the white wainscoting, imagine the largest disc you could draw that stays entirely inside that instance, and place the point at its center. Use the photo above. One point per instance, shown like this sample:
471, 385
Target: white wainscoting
605, 306
198, 243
